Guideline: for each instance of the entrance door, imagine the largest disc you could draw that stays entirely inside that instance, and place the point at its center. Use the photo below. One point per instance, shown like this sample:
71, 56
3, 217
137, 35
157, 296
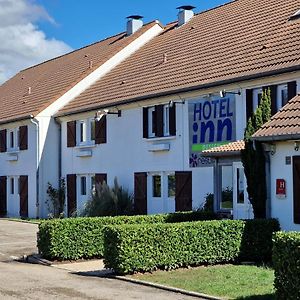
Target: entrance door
242, 208
13, 198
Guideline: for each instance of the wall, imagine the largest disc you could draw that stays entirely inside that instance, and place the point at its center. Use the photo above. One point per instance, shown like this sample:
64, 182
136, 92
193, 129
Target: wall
25, 165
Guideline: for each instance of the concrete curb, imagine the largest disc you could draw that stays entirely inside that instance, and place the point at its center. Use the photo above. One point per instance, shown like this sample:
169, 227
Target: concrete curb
166, 288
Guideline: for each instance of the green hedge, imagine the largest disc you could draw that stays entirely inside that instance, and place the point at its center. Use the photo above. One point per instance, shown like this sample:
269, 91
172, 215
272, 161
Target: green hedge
136, 248
76, 238
286, 261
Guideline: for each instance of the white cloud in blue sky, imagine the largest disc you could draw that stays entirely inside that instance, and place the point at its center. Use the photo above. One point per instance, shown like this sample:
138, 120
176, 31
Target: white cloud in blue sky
22, 43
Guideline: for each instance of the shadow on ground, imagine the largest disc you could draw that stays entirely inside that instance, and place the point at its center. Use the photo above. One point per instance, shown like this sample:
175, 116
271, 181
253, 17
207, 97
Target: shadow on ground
258, 297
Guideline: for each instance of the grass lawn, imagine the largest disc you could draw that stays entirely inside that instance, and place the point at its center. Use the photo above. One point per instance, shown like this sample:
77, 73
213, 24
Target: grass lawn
229, 281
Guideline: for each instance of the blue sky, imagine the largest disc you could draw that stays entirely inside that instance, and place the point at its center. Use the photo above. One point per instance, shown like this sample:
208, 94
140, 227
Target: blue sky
80, 22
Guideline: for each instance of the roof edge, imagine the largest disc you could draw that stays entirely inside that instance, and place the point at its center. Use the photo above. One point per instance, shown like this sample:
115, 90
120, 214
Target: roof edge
276, 138
16, 119
182, 90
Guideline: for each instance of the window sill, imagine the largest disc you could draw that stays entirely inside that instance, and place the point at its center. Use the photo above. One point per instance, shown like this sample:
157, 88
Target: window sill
13, 151
85, 146
159, 139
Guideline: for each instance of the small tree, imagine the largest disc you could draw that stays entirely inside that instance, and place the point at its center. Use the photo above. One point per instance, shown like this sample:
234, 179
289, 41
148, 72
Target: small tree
56, 199
253, 157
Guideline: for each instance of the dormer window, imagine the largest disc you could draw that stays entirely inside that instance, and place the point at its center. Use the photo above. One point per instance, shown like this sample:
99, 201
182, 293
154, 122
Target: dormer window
296, 15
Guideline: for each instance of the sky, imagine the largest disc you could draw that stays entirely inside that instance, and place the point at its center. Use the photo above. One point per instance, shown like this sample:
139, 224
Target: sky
32, 31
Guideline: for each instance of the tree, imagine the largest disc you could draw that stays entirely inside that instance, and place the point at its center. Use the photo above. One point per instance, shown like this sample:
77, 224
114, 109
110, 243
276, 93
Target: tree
253, 157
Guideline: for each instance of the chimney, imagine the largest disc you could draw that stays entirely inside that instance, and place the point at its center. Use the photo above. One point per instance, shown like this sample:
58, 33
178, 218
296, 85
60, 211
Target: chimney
134, 23
185, 14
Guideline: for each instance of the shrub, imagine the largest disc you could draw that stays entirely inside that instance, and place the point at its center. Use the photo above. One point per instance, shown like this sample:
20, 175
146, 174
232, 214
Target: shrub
76, 238
56, 200
136, 248
286, 260
106, 201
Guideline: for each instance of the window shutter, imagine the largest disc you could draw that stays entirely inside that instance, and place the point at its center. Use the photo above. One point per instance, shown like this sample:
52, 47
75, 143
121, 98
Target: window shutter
3, 146
172, 120
249, 104
140, 193
71, 134
100, 130
3, 196
296, 187
71, 194
159, 120
100, 178
183, 191
23, 137
273, 94
145, 123
23, 196
292, 89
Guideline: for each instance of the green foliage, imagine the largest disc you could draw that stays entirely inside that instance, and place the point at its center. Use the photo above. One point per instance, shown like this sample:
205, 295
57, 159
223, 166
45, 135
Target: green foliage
147, 247
209, 203
253, 158
107, 201
76, 238
286, 261
56, 200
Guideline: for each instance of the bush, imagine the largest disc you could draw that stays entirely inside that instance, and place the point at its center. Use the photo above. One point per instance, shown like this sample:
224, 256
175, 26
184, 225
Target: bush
76, 238
286, 260
138, 248
106, 201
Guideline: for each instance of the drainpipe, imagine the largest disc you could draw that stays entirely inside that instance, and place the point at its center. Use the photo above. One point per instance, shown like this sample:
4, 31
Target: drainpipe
36, 123
59, 147
268, 184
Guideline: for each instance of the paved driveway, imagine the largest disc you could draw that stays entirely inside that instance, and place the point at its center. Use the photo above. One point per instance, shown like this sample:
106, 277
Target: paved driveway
27, 281
17, 239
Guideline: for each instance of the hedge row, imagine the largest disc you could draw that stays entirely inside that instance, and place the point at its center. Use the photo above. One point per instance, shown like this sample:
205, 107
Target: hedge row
76, 238
286, 261
139, 248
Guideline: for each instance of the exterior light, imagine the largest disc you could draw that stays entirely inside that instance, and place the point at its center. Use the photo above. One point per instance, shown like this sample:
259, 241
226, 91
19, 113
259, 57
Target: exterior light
172, 103
223, 93
100, 113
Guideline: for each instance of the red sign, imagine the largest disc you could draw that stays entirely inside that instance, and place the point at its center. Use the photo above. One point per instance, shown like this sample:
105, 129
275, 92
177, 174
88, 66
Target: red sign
280, 188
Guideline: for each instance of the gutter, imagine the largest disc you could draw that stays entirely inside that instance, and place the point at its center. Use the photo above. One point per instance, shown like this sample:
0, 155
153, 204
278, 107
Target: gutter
36, 123
183, 90
277, 138
27, 117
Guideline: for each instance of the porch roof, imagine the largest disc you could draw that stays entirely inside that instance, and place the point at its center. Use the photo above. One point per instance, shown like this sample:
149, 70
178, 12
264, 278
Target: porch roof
231, 149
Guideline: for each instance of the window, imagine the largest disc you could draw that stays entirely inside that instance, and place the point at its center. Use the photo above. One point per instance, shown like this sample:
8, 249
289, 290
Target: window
156, 187
282, 95
93, 184
12, 186
86, 132
159, 121
13, 139
83, 185
257, 94
227, 187
171, 186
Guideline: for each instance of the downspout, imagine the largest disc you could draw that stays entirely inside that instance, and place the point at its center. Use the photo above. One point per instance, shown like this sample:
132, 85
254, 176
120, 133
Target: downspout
268, 184
37, 204
59, 147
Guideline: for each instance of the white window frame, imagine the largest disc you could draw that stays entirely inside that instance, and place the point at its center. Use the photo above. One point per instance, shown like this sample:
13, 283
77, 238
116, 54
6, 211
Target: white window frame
280, 88
151, 110
255, 100
14, 132
90, 184
166, 120
84, 132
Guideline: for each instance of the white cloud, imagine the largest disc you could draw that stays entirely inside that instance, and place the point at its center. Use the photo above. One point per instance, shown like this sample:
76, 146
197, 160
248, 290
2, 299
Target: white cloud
22, 44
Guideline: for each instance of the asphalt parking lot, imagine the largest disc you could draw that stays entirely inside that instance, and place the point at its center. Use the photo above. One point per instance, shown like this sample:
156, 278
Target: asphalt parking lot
20, 280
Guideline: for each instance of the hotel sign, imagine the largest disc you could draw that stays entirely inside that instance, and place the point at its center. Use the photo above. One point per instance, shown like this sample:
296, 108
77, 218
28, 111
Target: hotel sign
211, 124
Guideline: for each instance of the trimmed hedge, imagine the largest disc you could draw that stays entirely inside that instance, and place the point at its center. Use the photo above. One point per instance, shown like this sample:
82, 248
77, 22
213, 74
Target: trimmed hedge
76, 238
139, 248
286, 261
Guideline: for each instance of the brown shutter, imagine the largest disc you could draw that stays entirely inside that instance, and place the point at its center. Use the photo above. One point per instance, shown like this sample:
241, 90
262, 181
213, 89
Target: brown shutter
172, 120
249, 104
273, 94
3, 146
71, 194
71, 134
23, 186
296, 188
100, 131
100, 178
159, 120
292, 89
23, 137
183, 191
145, 122
140, 193
3, 196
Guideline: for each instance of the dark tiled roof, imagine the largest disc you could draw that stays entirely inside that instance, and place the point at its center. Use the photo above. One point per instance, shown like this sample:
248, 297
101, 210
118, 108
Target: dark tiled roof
283, 125
239, 39
50, 80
